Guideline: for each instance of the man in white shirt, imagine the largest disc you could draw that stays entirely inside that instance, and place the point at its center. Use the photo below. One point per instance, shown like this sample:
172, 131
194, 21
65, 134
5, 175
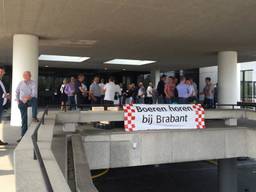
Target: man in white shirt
111, 90
117, 97
26, 95
141, 93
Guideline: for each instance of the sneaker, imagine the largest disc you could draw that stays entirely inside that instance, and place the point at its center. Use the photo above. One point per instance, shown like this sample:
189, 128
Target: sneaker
3, 143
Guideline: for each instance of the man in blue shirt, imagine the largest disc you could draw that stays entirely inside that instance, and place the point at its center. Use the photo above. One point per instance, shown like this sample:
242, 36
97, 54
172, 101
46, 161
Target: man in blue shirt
95, 91
183, 91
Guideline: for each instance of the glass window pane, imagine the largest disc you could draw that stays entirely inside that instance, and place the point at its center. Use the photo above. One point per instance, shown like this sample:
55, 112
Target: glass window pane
248, 75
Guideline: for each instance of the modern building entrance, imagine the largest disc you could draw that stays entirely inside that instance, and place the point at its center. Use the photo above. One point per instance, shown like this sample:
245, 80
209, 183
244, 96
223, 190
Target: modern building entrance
137, 42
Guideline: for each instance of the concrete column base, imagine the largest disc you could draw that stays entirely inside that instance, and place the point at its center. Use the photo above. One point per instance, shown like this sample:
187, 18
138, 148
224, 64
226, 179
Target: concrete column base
227, 173
231, 122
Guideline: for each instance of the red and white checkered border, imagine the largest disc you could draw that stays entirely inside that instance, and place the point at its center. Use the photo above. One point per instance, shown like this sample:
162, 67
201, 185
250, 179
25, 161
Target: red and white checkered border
200, 120
129, 117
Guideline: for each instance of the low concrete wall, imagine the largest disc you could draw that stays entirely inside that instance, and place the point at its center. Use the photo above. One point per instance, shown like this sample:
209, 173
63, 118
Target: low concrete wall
111, 150
27, 171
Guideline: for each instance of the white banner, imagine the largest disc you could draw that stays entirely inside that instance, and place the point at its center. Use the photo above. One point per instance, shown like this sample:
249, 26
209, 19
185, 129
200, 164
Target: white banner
152, 117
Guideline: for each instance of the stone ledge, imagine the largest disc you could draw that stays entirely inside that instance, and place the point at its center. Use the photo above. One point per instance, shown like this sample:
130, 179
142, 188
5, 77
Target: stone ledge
27, 170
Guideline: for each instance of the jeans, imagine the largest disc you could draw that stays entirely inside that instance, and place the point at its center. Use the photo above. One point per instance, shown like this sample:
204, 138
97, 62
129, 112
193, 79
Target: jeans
72, 102
192, 100
24, 113
209, 103
182, 100
161, 100
102, 99
129, 100
170, 100
140, 100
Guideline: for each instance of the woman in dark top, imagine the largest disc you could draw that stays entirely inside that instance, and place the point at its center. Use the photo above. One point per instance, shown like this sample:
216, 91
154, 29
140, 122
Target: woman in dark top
63, 96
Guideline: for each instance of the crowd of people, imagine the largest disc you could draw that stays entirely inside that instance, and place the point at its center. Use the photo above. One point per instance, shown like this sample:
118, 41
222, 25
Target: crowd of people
75, 94
170, 90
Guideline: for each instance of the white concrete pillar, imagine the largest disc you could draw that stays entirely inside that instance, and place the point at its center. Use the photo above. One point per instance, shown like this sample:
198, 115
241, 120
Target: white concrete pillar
228, 78
155, 77
25, 58
227, 175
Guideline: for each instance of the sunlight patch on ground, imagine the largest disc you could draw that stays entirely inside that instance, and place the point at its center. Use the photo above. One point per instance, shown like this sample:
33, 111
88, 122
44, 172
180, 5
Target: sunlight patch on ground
7, 179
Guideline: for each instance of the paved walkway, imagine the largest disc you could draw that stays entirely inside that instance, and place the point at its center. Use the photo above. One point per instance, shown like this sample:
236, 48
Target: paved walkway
7, 179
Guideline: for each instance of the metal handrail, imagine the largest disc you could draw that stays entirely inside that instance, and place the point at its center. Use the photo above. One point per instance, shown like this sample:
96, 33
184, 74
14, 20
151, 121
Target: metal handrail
227, 105
37, 153
238, 104
233, 106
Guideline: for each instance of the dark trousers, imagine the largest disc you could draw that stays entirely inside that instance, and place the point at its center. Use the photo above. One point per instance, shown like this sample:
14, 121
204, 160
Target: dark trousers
97, 101
170, 101
208, 103
80, 101
192, 100
106, 102
24, 113
72, 102
102, 99
1, 111
161, 100
148, 100
182, 100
